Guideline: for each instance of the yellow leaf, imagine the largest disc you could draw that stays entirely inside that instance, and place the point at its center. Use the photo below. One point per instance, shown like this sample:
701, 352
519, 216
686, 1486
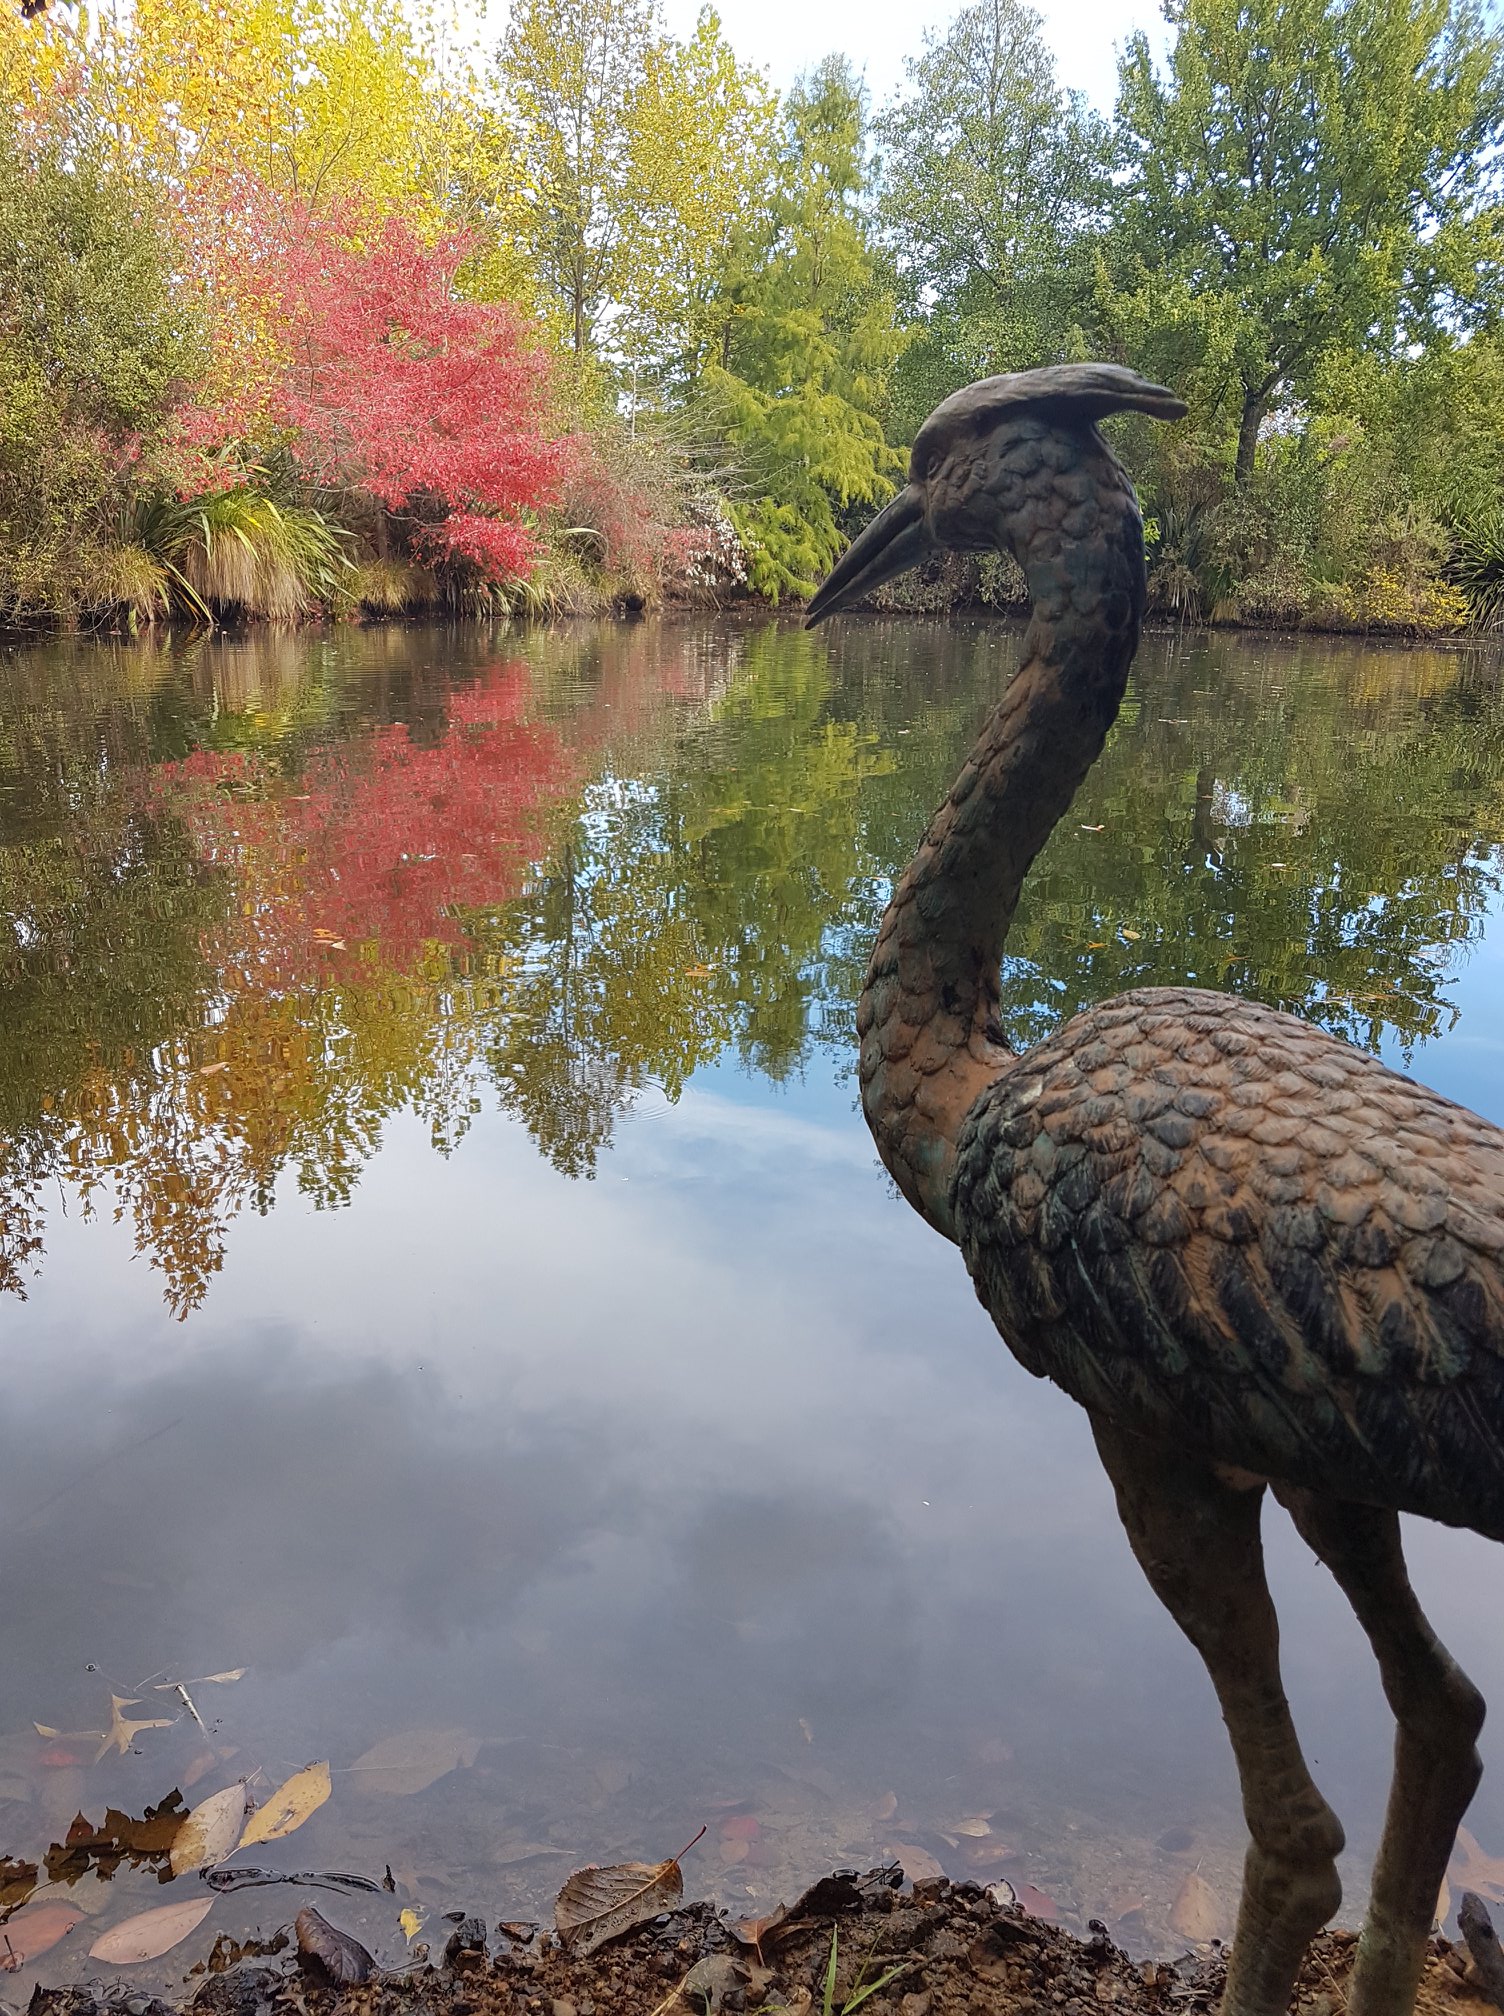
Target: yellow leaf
210, 1832
411, 1924
1132, 936
289, 1806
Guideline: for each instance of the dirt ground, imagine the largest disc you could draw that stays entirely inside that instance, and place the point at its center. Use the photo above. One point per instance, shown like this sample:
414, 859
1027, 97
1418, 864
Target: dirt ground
960, 1951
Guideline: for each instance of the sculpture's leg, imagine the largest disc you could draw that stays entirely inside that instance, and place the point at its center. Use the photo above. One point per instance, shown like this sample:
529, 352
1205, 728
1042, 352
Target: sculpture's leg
1197, 1540
1438, 1712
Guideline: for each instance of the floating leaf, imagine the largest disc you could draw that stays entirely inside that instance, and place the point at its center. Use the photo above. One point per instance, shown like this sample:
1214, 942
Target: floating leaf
289, 1806
415, 1760
121, 1731
1132, 936
210, 1832
1196, 1915
411, 1923
600, 1904
976, 1825
33, 1930
220, 1679
150, 1933
343, 1959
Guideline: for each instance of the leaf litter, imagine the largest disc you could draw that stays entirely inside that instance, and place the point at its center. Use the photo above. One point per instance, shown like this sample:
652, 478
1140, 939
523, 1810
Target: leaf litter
598, 1904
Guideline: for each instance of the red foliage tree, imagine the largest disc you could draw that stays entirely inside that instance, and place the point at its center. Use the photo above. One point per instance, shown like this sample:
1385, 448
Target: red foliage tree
380, 376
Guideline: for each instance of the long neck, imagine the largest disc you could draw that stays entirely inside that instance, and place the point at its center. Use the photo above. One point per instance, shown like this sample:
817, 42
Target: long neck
928, 1020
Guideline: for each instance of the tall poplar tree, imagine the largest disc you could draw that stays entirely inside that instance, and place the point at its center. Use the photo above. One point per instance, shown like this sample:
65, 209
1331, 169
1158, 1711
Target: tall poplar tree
1305, 177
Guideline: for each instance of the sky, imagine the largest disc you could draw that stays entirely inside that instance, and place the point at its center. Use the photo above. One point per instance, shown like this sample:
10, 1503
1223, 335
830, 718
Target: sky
785, 37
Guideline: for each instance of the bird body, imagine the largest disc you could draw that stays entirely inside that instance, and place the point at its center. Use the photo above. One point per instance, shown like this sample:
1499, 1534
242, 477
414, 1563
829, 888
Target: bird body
1256, 1256
1225, 1229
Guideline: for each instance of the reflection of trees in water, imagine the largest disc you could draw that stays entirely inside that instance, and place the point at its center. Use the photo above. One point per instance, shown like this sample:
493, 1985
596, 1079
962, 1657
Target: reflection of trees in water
261, 897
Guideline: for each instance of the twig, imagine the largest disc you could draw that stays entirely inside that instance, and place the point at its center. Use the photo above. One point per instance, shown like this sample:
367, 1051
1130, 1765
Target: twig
1488, 1955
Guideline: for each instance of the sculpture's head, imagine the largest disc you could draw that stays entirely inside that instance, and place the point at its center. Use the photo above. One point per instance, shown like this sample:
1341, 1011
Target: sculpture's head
962, 475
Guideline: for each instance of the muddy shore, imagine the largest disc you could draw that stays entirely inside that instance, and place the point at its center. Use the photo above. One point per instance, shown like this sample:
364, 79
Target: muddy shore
938, 1949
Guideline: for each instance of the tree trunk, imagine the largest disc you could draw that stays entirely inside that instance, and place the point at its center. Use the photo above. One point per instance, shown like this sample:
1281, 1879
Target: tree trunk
1255, 405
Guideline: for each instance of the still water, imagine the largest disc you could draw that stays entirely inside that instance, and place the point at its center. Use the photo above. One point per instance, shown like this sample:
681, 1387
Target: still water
443, 1271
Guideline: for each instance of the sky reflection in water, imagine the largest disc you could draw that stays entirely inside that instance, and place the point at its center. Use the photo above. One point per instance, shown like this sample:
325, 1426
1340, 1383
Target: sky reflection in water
341, 965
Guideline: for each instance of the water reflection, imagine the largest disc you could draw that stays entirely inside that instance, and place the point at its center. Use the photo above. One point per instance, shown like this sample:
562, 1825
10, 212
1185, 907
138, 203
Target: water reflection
264, 895
704, 1486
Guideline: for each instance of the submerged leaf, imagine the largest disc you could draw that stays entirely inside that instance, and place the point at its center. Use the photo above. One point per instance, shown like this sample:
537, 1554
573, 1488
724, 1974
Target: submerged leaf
343, 1959
289, 1806
600, 1904
414, 1760
34, 1930
150, 1933
211, 1831
1196, 1915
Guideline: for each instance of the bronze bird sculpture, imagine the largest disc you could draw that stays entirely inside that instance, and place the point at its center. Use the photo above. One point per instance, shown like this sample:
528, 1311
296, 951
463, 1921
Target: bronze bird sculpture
1257, 1257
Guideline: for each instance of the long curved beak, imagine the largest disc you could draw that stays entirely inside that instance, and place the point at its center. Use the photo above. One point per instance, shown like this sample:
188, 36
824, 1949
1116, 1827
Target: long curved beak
897, 538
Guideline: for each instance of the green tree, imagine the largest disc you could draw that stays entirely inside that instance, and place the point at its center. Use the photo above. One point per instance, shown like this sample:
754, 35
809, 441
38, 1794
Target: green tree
571, 74
991, 187
93, 337
1307, 176
808, 341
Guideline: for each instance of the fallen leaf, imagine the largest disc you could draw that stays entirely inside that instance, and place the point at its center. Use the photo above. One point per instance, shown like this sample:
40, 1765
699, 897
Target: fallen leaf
734, 1852
220, 1679
1132, 936
1093, 829
210, 1832
121, 1731
289, 1806
18, 1879
698, 972
600, 1904
209, 1070
343, 1959
1443, 1903
1196, 1915
33, 1930
150, 1933
411, 1922
740, 1827
976, 1825
1471, 1869
886, 1807
1038, 1903
753, 1931
918, 1864
87, 1849
414, 1760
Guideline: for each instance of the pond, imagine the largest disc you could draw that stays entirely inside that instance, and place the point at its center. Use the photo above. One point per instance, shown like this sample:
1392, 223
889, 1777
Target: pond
445, 1273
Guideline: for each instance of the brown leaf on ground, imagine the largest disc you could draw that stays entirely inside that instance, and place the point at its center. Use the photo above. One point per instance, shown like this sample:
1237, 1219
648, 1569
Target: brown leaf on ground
343, 1959
600, 1904
289, 1806
18, 1879
1196, 1915
150, 1933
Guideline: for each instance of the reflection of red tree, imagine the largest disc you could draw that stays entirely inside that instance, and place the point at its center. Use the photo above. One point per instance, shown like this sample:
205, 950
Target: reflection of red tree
380, 841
